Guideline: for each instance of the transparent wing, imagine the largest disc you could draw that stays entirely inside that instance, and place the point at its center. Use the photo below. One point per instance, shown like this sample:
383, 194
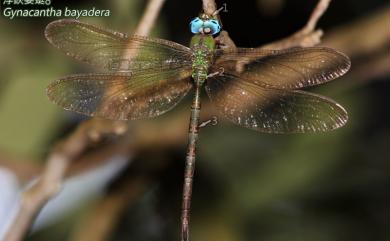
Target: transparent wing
273, 110
121, 96
284, 69
114, 51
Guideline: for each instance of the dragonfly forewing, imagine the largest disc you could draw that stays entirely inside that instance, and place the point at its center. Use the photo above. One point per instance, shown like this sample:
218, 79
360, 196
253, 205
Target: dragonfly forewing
115, 51
284, 69
273, 110
122, 96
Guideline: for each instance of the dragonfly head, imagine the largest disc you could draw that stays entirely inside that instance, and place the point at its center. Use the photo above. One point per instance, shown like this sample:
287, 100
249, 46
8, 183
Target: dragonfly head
205, 24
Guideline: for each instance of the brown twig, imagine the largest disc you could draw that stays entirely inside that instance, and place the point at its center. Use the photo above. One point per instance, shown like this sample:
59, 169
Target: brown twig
144, 26
362, 37
308, 36
48, 185
209, 6
37, 195
317, 13
370, 54
148, 19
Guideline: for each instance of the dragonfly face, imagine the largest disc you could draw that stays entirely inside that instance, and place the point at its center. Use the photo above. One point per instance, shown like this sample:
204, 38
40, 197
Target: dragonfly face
205, 24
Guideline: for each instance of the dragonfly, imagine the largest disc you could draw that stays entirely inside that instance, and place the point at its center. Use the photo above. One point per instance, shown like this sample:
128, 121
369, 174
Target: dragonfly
145, 77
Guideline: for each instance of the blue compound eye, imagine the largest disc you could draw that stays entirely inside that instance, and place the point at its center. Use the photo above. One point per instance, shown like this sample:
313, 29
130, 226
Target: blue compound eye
213, 25
196, 24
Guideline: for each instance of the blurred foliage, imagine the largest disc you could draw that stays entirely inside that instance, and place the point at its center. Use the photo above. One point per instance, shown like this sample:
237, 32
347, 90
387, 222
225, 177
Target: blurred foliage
248, 186
26, 118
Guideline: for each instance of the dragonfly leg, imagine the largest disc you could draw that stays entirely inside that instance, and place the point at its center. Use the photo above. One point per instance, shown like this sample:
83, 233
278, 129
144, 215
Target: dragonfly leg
213, 121
219, 72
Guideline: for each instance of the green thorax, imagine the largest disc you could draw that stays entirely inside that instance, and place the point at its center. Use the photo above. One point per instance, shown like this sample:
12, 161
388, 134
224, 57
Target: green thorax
203, 47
